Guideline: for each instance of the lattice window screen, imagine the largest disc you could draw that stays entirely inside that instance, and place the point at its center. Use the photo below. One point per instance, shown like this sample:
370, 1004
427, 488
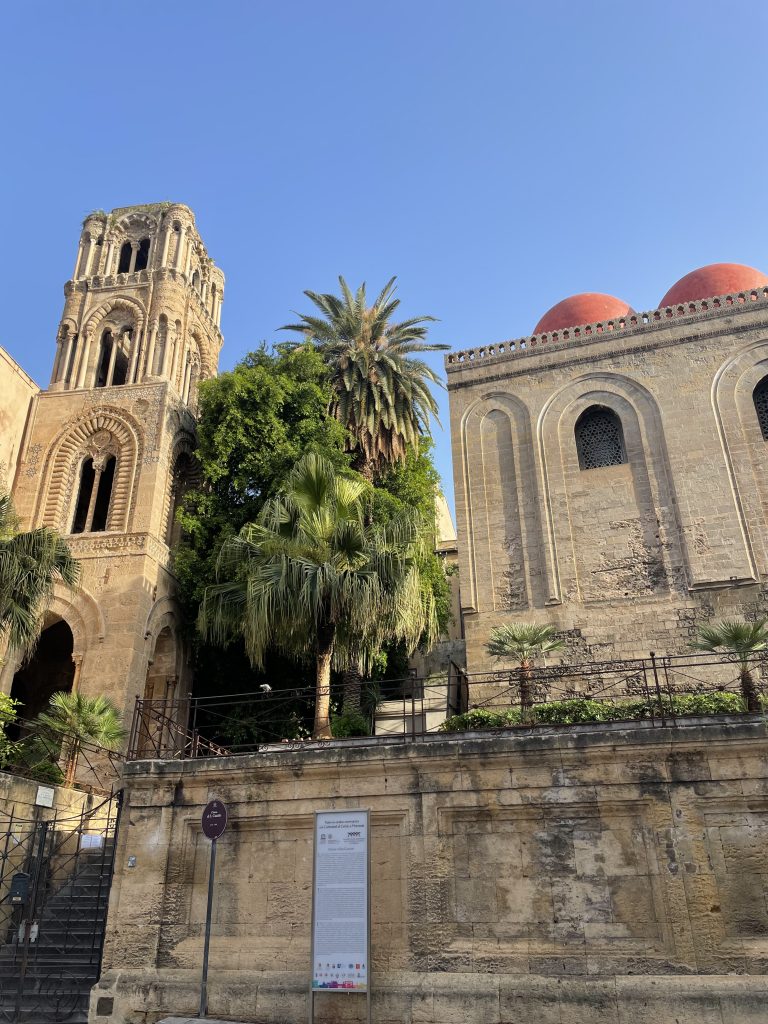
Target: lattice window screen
760, 398
599, 439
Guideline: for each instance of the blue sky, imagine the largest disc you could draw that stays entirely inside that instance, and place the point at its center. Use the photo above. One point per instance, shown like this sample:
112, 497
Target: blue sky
495, 156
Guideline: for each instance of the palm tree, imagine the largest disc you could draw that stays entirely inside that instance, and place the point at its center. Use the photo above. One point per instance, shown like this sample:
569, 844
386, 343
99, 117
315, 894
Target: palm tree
381, 394
741, 639
312, 576
30, 564
524, 642
80, 720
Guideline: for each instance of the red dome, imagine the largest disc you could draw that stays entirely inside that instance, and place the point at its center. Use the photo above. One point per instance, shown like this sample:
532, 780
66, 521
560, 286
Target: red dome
716, 279
586, 308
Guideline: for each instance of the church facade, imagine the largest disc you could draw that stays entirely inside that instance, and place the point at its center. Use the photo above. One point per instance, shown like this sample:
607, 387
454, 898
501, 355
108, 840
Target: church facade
104, 453
610, 469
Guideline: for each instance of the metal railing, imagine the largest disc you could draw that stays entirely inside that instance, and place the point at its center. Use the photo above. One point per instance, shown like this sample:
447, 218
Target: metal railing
34, 751
658, 690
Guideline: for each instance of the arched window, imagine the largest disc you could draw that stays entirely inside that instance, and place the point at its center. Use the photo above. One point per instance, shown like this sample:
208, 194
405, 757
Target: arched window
599, 438
760, 398
124, 264
196, 281
112, 369
142, 256
94, 494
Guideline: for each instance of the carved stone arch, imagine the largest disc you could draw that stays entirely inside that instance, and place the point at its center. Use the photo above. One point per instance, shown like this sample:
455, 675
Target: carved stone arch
103, 430
136, 223
133, 306
68, 323
634, 544
503, 560
745, 451
83, 617
182, 449
166, 652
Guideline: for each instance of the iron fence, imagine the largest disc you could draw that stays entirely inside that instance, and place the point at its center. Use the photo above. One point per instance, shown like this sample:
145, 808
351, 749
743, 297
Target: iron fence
658, 690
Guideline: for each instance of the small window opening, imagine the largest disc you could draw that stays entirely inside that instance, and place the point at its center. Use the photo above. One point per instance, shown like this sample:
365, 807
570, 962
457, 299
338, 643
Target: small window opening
120, 371
103, 495
760, 398
196, 281
124, 264
92, 509
87, 476
142, 256
599, 438
105, 354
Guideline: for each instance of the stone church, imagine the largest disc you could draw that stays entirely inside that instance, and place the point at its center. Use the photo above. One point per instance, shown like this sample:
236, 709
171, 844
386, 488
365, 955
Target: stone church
611, 469
103, 454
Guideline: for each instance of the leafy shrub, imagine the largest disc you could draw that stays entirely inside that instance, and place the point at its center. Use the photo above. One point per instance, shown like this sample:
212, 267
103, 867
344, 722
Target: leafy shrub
8, 711
583, 709
349, 723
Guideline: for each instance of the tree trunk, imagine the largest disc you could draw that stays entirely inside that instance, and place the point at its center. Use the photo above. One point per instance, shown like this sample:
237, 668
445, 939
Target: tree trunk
71, 764
526, 687
324, 654
353, 681
749, 691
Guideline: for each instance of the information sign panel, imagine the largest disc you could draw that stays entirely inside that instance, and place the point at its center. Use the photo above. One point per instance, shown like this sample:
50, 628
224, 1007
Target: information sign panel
340, 902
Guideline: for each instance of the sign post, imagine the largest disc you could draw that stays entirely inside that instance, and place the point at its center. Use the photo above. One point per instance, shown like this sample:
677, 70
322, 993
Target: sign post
214, 822
341, 906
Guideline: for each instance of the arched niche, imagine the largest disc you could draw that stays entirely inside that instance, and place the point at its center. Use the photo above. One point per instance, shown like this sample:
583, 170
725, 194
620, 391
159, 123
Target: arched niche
612, 527
745, 450
49, 670
502, 564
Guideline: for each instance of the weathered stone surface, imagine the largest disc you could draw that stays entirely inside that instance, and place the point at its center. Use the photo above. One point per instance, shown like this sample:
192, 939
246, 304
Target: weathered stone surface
572, 904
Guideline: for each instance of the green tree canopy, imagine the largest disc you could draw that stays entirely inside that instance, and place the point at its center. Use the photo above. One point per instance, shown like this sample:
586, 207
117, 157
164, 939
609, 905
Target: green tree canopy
31, 563
81, 720
743, 640
381, 393
313, 577
255, 423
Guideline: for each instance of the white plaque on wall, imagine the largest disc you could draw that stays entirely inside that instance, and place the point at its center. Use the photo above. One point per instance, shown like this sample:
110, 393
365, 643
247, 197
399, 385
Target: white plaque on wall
45, 795
340, 902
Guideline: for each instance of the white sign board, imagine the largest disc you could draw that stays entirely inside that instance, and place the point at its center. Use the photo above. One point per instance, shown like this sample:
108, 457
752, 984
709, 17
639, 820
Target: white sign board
45, 795
340, 902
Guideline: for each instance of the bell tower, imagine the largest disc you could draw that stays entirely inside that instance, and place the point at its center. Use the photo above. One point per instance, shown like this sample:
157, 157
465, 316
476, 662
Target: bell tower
107, 453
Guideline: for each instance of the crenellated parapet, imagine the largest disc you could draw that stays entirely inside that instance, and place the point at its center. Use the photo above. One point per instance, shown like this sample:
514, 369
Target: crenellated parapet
633, 322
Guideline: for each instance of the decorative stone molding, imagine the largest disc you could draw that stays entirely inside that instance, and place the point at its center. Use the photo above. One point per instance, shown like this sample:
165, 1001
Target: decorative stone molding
96, 434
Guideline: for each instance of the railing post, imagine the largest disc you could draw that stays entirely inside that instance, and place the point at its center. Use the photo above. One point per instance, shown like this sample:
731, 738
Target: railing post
658, 688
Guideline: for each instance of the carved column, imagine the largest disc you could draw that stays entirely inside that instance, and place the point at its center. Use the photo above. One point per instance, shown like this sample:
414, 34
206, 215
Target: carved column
169, 338
180, 249
77, 661
60, 346
92, 250
151, 349
166, 245
80, 249
135, 350
134, 254
82, 367
108, 261
112, 358
177, 354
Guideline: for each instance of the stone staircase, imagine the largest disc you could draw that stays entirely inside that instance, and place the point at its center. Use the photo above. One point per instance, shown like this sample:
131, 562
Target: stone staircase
62, 964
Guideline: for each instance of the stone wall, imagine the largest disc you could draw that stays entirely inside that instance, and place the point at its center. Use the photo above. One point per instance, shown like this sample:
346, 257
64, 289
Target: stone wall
627, 558
16, 393
597, 875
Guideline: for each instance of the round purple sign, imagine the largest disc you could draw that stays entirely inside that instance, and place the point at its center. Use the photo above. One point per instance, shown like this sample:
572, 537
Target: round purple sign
214, 819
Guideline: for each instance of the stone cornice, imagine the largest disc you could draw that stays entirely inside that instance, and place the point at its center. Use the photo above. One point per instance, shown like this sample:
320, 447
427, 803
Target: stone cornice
641, 325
